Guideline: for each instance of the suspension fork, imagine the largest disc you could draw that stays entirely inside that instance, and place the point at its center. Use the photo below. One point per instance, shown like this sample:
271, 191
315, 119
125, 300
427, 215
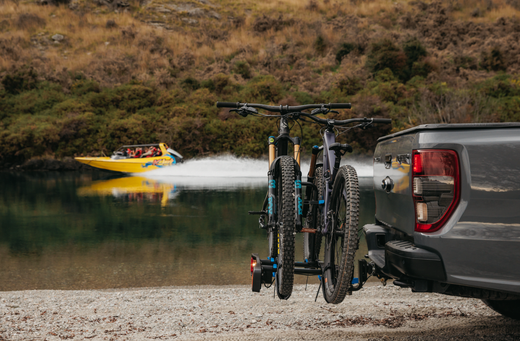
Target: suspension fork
271, 195
277, 147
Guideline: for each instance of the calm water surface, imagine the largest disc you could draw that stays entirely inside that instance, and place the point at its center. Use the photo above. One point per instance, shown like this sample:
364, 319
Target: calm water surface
93, 230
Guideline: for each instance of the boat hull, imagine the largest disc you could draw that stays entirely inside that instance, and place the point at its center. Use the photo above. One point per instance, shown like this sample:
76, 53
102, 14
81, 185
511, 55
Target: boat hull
133, 165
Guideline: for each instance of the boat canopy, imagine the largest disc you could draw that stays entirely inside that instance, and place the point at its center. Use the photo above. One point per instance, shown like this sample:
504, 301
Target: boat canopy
141, 145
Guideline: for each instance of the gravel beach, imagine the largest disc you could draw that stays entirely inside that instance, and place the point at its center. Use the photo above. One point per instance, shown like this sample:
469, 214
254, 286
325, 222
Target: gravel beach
235, 313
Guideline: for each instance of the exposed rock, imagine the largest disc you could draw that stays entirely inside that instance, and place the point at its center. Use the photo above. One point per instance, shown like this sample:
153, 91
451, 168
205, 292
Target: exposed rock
190, 21
162, 9
114, 4
188, 8
58, 38
74, 5
206, 2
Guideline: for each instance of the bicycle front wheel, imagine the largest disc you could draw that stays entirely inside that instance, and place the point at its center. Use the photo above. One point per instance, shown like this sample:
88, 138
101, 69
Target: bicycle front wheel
342, 236
286, 220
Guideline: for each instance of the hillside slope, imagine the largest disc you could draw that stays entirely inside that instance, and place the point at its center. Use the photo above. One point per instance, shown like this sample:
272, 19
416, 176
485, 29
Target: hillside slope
83, 77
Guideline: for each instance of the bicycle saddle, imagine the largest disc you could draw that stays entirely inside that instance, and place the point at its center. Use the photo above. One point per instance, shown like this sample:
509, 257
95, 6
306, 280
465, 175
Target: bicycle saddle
345, 148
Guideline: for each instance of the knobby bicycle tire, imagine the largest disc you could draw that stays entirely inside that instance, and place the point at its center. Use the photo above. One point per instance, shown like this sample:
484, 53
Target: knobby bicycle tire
312, 241
286, 219
342, 236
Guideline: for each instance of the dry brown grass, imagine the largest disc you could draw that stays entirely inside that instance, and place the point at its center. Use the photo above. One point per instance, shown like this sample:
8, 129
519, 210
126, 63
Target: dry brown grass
89, 44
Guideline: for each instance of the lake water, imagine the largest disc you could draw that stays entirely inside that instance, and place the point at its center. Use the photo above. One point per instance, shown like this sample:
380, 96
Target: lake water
187, 225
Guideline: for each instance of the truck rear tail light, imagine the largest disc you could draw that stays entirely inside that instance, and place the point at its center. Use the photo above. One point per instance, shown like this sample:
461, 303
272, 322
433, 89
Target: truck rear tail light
436, 187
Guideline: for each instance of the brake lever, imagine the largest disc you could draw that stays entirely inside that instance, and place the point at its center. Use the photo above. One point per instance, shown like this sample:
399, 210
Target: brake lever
245, 110
321, 110
366, 125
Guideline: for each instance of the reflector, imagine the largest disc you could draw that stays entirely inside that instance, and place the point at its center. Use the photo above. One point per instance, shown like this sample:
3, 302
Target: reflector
253, 264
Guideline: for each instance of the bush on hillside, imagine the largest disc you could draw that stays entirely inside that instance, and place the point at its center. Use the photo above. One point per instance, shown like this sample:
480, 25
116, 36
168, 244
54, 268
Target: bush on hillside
344, 50
22, 80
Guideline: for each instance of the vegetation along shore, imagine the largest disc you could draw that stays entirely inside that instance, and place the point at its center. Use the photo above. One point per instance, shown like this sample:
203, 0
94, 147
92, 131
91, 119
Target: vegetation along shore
84, 77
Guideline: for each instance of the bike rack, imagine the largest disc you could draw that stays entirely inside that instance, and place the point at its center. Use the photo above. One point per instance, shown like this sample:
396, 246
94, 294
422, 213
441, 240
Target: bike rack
263, 271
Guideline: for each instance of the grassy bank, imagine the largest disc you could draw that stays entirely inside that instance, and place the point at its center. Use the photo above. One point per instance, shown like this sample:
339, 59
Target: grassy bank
85, 77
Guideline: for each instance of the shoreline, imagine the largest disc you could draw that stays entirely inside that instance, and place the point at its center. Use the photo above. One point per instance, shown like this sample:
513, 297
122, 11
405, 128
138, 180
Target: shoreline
45, 165
234, 312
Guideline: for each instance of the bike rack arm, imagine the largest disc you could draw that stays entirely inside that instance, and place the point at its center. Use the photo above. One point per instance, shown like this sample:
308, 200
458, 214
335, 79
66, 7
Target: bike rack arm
343, 122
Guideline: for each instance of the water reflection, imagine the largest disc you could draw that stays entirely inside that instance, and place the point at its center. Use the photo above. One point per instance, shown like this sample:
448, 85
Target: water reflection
89, 230
132, 189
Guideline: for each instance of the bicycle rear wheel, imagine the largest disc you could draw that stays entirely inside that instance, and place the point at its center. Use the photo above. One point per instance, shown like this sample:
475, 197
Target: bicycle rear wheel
312, 241
286, 220
342, 236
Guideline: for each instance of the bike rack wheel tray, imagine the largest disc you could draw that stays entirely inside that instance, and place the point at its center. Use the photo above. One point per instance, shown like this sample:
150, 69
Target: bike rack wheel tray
263, 271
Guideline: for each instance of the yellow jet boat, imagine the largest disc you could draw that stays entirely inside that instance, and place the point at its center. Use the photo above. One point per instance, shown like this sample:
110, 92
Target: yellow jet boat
134, 159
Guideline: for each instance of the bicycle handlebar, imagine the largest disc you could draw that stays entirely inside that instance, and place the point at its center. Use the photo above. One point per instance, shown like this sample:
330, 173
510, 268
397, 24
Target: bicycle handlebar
297, 110
282, 108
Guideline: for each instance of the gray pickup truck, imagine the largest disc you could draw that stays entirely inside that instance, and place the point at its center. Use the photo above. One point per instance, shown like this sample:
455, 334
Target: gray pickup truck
448, 211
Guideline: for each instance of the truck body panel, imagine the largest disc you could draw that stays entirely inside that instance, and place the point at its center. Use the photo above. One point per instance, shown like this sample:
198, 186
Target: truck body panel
480, 244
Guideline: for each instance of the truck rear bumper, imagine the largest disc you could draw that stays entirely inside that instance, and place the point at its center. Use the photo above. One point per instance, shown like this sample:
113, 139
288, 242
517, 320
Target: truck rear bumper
402, 259
412, 261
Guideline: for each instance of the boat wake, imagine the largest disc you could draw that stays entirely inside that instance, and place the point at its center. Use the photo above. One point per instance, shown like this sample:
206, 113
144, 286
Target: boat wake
227, 172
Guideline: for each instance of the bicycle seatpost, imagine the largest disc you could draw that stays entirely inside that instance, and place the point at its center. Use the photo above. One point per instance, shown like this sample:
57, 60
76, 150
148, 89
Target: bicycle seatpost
312, 169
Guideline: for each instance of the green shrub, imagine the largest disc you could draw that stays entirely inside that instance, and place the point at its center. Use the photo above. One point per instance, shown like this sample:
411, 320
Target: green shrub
243, 69
71, 105
133, 97
262, 89
414, 50
405, 63
208, 84
302, 97
190, 84
501, 85
384, 54
465, 62
350, 85
83, 87
20, 81
320, 45
344, 50
493, 60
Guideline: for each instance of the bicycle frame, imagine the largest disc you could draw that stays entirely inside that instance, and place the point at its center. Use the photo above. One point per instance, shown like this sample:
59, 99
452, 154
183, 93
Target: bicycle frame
329, 161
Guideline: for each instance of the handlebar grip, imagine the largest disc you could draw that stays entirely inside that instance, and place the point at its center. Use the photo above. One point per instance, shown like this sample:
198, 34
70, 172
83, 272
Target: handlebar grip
228, 105
382, 120
340, 105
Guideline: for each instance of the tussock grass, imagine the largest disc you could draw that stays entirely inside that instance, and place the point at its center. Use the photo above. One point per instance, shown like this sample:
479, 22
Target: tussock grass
88, 39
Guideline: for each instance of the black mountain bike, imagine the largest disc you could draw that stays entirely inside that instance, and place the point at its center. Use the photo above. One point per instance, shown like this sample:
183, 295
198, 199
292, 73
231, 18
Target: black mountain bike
329, 206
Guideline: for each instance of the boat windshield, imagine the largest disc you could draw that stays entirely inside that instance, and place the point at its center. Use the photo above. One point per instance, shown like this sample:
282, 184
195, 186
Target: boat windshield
174, 153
